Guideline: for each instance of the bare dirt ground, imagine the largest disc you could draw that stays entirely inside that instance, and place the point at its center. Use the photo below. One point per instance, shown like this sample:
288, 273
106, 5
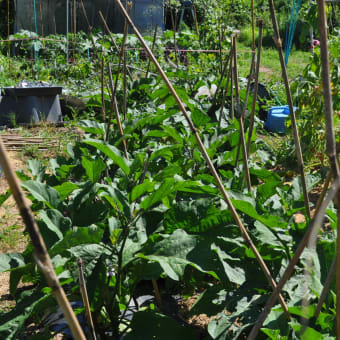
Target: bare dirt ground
12, 239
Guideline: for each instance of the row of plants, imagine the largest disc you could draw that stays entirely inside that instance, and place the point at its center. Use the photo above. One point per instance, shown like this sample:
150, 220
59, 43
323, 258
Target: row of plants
157, 215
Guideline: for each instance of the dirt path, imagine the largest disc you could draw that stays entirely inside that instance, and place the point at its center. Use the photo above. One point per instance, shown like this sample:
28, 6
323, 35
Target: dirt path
12, 238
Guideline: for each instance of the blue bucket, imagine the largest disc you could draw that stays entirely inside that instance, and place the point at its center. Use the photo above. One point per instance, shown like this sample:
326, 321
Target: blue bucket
276, 118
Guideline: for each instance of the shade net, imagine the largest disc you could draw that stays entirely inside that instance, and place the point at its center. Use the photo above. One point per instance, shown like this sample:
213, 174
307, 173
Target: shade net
50, 16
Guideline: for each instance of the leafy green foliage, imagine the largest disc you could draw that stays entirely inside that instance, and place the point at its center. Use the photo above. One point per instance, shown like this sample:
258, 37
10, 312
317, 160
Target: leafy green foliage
158, 215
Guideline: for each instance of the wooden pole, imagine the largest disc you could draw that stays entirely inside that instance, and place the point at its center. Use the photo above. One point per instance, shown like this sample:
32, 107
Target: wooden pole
152, 49
225, 92
83, 292
256, 86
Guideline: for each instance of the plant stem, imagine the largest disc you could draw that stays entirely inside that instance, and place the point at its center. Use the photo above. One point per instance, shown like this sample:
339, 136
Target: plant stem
323, 192
326, 288
41, 255
174, 30
157, 293
85, 298
278, 43
204, 152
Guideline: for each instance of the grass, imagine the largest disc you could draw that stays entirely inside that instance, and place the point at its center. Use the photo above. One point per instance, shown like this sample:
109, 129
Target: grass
270, 63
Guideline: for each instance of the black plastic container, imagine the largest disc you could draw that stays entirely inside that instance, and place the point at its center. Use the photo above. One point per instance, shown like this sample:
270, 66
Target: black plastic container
30, 105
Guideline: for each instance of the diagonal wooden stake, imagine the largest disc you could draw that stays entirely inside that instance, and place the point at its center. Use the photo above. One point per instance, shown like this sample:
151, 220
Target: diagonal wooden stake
213, 171
83, 292
40, 253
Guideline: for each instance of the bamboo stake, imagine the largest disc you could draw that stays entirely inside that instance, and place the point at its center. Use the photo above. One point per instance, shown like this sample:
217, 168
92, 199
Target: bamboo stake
237, 86
278, 43
113, 40
206, 157
121, 56
152, 49
222, 76
41, 255
330, 138
314, 226
220, 47
230, 71
196, 22
243, 114
256, 85
174, 30
116, 111
124, 84
102, 88
237, 90
85, 298
232, 87
326, 288
253, 25
323, 192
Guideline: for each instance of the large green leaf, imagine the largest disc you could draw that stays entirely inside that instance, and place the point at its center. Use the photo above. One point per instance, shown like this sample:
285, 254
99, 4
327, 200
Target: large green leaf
66, 189
56, 222
307, 333
196, 216
75, 237
92, 126
219, 327
172, 252
248, 209
141, 189
4, 197
43, 193
12, 322
110, 151
93, 168
11, 261
163, 191
235, 275
37, 169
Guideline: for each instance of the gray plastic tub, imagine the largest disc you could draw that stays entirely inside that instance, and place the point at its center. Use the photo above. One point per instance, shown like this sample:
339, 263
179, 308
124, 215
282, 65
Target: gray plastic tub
30, 105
